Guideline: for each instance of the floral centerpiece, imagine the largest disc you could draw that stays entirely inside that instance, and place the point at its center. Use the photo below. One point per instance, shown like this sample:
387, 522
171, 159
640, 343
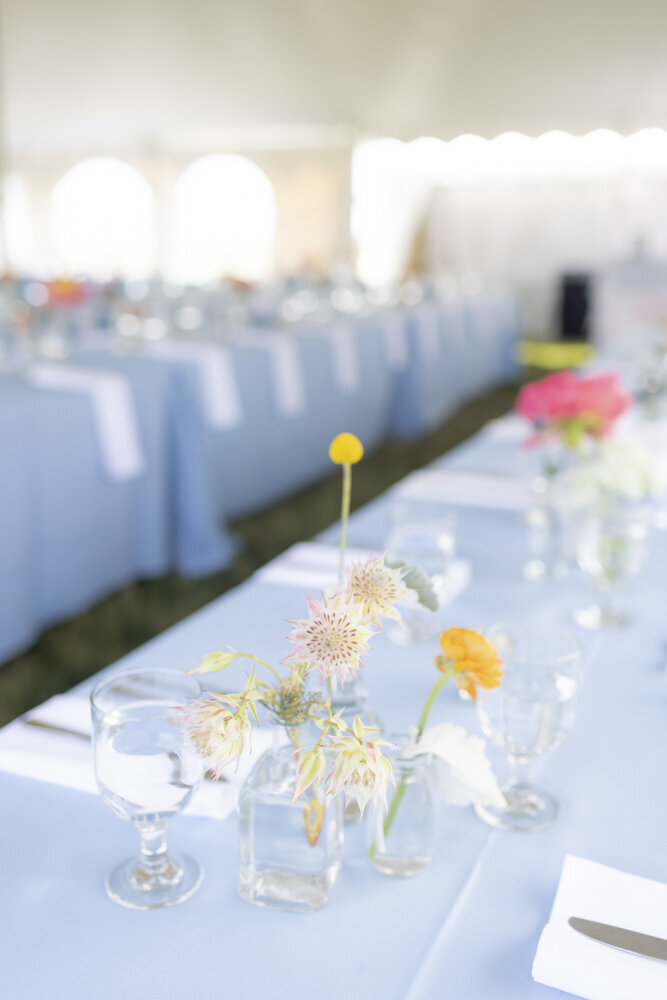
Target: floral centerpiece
327, 752
298, 783
572, 409
290, 838
571, 415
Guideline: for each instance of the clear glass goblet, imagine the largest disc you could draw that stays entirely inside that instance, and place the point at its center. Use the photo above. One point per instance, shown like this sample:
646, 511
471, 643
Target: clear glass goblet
610, 548
531, 712
146, 771
423, 535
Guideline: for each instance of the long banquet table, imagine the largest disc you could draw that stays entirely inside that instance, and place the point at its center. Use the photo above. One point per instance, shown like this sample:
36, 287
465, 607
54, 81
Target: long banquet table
398, 371
467, 927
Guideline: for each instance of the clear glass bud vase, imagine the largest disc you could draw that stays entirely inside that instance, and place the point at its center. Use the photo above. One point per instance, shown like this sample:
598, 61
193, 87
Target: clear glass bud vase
401, 835
549, 536
289, 852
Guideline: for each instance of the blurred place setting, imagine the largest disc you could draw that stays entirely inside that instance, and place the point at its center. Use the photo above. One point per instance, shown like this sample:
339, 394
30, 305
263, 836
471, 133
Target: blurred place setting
333, 507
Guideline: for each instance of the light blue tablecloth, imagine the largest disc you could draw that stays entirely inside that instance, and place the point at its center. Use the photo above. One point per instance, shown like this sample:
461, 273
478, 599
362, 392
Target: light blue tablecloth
466, 928
73, 537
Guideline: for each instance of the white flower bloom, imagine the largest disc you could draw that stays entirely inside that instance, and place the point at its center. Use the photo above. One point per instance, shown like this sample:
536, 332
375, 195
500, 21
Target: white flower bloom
217, 732
359, 769
461, 768
620, 468
376, 588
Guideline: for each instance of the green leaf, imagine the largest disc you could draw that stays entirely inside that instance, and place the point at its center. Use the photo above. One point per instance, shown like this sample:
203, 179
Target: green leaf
416, 579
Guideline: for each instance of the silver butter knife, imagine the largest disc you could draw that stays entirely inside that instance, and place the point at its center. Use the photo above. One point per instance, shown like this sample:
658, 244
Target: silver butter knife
620, 937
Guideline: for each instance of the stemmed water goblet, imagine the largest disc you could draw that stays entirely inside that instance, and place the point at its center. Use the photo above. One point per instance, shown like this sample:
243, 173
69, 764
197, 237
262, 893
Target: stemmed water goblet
610, 548
530, 713
146, 771
423, 535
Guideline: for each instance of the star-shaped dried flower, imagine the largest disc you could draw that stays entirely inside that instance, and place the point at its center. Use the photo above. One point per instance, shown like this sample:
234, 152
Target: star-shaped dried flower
333, 639
376, 588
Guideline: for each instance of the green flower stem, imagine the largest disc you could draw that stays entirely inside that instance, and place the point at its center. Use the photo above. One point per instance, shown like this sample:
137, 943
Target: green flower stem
449, 672
402, 786
344, 514
391, 814
257, 659
293, 733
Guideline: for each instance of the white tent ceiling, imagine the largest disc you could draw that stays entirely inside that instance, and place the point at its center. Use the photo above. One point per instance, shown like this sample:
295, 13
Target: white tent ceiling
133, 74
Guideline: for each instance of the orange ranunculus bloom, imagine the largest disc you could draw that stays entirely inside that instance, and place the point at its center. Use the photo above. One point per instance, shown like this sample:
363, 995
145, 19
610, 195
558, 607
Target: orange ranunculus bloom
474, 658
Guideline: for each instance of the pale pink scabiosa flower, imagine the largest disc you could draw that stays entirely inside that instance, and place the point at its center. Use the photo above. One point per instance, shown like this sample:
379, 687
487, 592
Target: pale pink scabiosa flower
359, 769
333, 639
219, 726
375, 588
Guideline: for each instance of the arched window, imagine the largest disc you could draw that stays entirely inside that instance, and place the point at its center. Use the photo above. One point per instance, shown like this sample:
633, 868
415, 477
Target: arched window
223, 221
102, 216
18, 234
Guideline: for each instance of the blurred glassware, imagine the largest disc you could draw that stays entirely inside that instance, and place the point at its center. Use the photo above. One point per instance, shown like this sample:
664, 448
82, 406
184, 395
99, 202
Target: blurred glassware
610, 547
146, 771
401, 834
549, 527
423, 535
530, 713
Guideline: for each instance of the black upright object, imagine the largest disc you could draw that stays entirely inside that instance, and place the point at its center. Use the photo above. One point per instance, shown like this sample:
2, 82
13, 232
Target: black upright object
573, 306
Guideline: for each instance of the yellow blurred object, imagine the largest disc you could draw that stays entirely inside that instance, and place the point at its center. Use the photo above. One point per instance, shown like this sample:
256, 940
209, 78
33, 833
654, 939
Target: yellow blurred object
553, 355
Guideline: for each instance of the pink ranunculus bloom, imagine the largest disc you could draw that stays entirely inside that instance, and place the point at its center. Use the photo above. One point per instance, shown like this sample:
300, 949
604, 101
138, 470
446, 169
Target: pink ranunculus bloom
555, 397
604, 396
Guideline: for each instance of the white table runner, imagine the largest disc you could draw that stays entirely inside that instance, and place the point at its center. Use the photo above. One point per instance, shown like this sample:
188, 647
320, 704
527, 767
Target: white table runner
428, 333
114, 413
286, 369
396, 340
220, 394
345, 356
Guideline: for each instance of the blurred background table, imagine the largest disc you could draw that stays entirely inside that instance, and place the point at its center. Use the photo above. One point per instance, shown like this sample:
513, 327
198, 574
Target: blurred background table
74, 535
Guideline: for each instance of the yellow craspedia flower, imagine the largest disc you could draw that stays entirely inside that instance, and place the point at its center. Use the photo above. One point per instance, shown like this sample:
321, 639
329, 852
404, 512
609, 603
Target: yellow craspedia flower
346, 449
474, 658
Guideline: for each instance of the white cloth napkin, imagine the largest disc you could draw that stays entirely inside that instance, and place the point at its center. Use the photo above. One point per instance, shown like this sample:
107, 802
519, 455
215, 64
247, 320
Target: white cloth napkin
309, 564
63, 758
396, 340
286, 368
468, 489
510, 429
345, 354
113, 412
572, 962
220, 395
